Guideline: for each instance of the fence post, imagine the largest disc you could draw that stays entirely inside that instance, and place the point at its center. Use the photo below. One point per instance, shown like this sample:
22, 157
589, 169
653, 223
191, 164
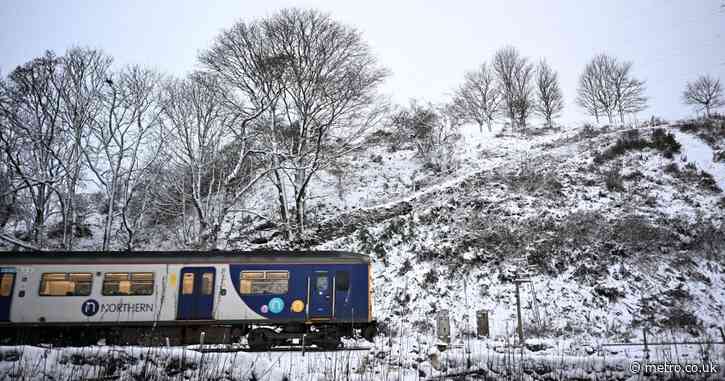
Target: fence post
646, 349
443, 328
303, 344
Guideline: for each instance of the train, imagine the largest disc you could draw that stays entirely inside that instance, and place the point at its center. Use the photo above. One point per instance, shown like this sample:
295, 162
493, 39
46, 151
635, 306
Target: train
271, 298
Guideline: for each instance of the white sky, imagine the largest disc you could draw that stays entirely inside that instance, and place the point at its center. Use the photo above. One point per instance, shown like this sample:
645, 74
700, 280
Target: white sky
427, 45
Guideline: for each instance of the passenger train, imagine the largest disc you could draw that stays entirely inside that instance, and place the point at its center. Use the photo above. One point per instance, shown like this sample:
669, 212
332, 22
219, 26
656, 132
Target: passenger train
271, 297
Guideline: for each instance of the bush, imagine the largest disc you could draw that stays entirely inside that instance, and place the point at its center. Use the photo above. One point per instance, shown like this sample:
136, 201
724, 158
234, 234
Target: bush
665, 142
718, 155
427, 126
672, 168
703, 179
441, 159
631, 141
613, 179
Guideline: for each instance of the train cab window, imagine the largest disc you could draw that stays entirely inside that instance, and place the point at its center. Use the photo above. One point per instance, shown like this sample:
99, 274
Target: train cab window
187, 284
66, 284
263, 282
6, 283
128, 284
342, 281
207, 283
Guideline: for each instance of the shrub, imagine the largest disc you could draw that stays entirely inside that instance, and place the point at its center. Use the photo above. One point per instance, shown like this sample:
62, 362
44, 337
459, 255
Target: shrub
381, 136
613, 179
611, 293
665, 142
718, 155
703, 179
672, 168
425, 125
632, 141
441, 159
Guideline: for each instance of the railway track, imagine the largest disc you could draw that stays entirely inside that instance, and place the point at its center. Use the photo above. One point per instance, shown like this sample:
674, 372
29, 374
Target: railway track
232, 349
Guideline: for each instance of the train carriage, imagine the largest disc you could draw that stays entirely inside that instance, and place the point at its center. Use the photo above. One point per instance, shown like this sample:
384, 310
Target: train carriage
272, 297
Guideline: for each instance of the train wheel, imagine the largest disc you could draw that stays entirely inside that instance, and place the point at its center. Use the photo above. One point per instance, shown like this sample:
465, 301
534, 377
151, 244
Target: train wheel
330, 343
261, 339
370, 332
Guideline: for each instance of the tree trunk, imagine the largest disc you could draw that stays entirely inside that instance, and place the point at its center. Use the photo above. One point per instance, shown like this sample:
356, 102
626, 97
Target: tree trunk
109, 216
282, 199
300, 205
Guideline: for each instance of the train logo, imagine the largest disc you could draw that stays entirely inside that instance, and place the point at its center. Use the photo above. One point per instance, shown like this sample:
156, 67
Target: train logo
90, 307
276, 305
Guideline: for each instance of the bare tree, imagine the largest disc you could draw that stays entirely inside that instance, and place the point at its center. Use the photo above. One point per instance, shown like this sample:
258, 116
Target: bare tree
215, 157
253, 69
523, 97
121, 133
628, 91
316, 77
705, 93
587, 94
32, 136
478, 99
514, 75
607, 87
81, 91
550, 101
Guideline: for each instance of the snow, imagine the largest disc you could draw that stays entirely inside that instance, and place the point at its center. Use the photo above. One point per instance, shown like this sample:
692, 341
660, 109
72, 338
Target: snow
697, 151
406, 356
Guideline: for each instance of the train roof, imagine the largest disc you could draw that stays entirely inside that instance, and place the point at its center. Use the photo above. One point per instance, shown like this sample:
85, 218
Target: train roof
179, 257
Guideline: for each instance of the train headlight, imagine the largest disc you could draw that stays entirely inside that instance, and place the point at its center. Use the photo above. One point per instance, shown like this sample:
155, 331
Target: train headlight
297, 306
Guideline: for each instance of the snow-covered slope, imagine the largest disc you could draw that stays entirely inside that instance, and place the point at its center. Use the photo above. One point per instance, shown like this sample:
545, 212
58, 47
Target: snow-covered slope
613, 245
618, 235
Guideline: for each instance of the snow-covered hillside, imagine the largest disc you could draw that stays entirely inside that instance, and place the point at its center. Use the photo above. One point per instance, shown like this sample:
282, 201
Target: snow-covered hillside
621, 232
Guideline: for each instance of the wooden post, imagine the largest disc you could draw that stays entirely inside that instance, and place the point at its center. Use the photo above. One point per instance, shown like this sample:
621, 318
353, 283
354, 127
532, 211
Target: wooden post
518, 315
646, 349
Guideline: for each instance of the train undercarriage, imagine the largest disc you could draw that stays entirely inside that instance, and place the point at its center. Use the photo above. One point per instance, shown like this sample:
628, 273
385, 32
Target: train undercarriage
259, 337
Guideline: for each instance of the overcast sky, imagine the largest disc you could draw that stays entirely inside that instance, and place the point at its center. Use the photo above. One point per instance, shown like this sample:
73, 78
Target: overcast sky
427, 45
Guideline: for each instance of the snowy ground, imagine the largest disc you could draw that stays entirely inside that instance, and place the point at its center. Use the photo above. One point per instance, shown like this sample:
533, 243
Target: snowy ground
414, 357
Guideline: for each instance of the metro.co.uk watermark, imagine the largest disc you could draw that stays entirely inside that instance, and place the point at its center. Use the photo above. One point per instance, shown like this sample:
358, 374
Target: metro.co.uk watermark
638, 367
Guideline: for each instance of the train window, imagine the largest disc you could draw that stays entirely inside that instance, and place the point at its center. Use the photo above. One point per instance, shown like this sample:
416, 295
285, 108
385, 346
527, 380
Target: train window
342, 281
207, 283
128, 284
321, 283
187, 284
66, 284
263, 282
6, 283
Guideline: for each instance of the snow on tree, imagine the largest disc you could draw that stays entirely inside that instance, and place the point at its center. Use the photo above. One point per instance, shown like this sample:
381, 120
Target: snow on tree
213, 160
316, 79
32, 138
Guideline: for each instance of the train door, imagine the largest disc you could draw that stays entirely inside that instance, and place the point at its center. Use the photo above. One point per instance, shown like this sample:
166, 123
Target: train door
196, 293
7, 283
320, 295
